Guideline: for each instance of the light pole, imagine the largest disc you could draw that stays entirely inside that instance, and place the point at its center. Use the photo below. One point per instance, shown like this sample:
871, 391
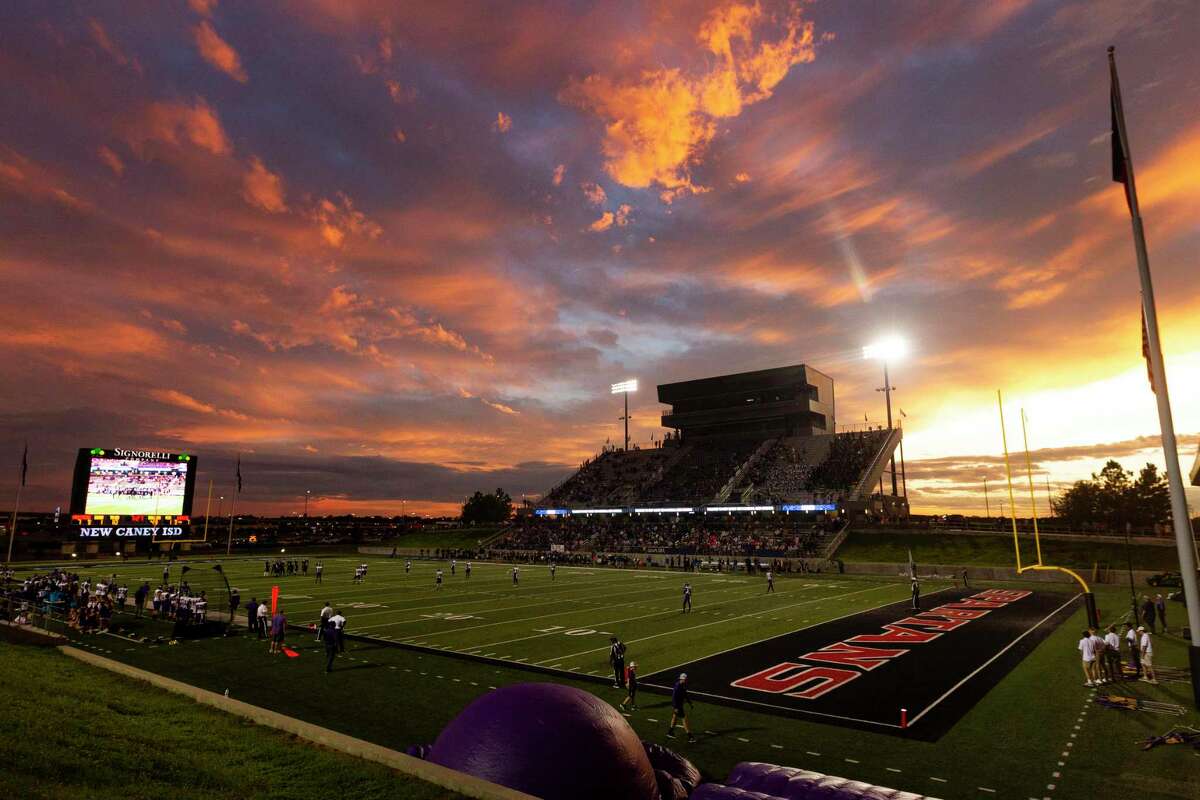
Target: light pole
307, 492
220, 500
625, 387
987, 509
888, 349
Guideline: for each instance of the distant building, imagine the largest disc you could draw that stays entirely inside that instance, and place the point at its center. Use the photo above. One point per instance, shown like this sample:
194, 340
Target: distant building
780, 402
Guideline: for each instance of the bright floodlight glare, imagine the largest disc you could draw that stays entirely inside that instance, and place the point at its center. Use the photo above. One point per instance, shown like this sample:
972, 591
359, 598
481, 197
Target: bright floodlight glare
625, 386
890, 348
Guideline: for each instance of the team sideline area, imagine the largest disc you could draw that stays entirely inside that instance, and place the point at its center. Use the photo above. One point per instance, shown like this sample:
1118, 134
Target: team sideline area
1009, 715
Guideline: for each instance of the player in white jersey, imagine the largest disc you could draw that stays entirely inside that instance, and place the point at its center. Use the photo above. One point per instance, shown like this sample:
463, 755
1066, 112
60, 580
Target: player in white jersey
468, 570
437, 579
516, 573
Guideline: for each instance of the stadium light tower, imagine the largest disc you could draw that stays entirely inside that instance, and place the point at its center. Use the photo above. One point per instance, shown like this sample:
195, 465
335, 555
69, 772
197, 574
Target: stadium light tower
625, 387
890, 348
307, 492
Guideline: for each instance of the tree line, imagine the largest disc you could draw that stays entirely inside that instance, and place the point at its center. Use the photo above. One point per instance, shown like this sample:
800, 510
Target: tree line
1113, 498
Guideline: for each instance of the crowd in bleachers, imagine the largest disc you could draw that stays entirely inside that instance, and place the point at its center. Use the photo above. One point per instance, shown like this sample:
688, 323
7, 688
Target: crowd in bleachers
849, 456
784, 473
771, 535
705, 468
794, 469
612, 476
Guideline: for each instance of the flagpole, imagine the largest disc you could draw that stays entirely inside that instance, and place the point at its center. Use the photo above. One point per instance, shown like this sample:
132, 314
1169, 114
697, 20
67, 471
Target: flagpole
207, 508
232, 514
12, 529
1179, 517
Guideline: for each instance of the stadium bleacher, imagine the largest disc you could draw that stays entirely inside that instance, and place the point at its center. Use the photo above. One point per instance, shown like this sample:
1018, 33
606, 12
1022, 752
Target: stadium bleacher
742, 470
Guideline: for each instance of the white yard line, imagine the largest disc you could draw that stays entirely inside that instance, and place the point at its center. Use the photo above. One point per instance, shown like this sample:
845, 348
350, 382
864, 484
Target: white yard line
978, 669
581, 611
723, 621
622, 621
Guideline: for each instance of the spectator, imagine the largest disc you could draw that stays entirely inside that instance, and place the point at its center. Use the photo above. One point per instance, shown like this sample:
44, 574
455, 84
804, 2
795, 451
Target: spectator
278, 629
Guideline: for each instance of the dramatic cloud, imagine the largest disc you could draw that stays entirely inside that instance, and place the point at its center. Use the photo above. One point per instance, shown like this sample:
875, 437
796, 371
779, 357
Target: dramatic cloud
263, 188
330, 250
179, 123
657, 126
216, 51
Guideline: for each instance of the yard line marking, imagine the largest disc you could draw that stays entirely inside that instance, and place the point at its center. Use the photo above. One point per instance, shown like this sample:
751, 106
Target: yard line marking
939, 780
740, 739
985, 789
811, 753
577, 610
492, 597
651, 719
985, 664
777, 746
730, 619
851, 761
891, 769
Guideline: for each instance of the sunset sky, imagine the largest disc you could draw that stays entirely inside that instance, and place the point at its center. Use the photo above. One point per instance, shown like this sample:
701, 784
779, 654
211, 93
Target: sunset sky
399, 250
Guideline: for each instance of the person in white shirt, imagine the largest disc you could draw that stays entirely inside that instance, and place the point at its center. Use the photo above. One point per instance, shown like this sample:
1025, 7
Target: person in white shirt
339, 626
264, 619
1087, 649
1146, 647
1112, 653
1131, 640
1101, 667
326, 613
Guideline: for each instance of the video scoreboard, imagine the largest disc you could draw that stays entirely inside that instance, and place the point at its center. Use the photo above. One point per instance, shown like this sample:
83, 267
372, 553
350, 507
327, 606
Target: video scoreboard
119, 493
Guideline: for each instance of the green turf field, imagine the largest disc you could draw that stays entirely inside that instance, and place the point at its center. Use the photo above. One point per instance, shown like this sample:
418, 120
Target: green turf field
1012, 742
73, 731
997, 551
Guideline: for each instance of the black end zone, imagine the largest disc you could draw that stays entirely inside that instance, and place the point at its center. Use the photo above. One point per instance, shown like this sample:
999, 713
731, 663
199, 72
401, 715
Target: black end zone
862, 670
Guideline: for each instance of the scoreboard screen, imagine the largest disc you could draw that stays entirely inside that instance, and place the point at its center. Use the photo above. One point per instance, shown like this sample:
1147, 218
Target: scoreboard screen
127, 483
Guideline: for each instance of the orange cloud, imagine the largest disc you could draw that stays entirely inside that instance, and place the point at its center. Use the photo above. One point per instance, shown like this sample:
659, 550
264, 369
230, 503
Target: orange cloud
176, 123
263, 188
100, 37
559, 171
203, 7
503, 123
399, 136
604, 223
338, 220
216, 51
658, 126
594, 193
623, 215
111, 160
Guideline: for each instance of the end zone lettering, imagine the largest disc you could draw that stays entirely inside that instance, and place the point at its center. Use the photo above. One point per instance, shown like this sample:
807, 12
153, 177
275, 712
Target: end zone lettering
854, 657
104, 533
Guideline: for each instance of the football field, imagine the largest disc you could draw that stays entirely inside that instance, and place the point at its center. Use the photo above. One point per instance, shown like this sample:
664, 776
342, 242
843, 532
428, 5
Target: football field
425, 653
564, 622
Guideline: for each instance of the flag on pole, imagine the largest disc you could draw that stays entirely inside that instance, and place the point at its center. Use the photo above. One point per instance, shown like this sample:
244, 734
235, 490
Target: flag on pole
24, 463
1146, 352
1120, 148
239, 474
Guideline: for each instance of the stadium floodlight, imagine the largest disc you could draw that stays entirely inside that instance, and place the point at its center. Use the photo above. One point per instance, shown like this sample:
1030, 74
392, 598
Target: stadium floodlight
625, 387
889, 348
